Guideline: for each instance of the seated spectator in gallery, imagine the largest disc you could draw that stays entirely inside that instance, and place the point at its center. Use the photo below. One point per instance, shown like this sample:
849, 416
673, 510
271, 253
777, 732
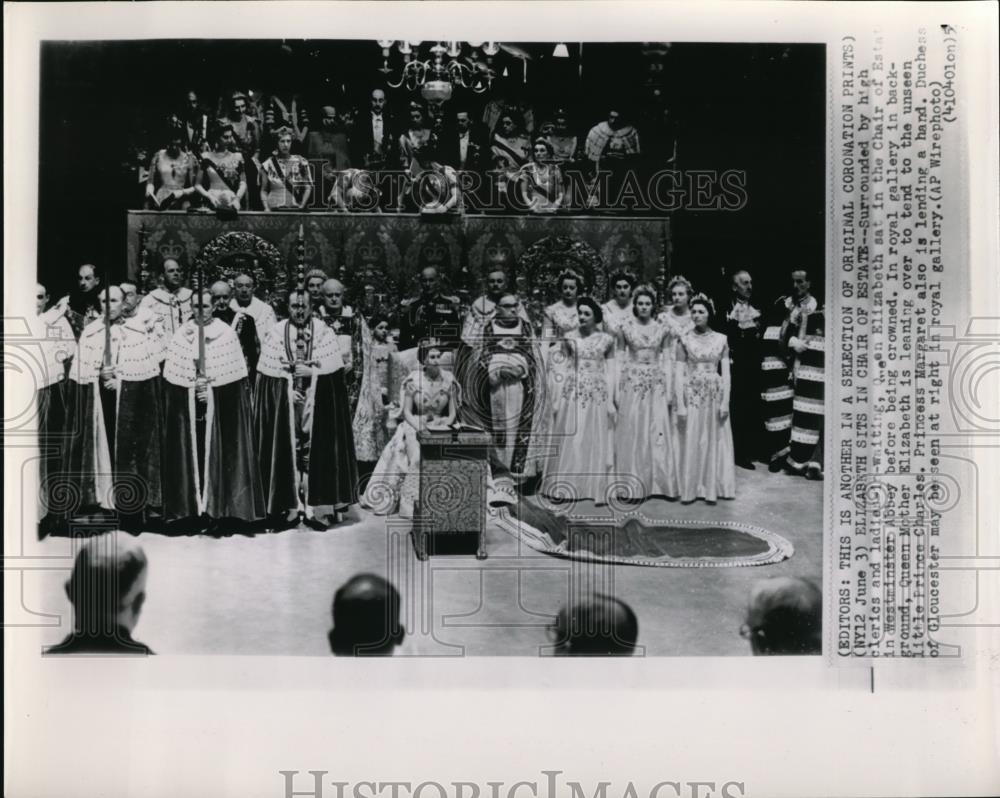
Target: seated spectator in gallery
246, 132
510, 149
434, 187
223, 183
173, 173
107, 589
330, 143
285, 179
539, 184
566, 150
599, 626
417, 134
365, 618
784, 616
565, 143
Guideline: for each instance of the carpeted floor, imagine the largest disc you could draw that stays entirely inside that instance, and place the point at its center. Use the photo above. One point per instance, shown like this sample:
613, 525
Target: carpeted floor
271, 594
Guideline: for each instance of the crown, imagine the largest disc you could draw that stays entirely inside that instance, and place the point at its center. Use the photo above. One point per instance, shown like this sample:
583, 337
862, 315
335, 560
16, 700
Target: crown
435, 252
626, 254
370, 252
497, 253
171, 250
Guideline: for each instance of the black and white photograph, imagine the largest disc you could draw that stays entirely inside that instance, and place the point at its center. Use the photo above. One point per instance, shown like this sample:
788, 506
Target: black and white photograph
563, 399
333, 313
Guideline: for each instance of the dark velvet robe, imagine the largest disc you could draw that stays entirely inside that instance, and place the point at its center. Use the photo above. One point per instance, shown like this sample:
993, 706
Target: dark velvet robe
333, 471
230, 479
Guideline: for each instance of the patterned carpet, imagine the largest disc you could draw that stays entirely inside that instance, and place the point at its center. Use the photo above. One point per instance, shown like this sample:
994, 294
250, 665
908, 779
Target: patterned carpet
633, 539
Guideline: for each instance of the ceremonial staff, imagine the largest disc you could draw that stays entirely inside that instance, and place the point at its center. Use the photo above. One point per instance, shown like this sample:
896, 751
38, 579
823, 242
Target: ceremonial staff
107, 317
199, 363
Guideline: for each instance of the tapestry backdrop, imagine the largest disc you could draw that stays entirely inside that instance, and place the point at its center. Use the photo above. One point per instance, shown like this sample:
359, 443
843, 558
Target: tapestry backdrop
386, 251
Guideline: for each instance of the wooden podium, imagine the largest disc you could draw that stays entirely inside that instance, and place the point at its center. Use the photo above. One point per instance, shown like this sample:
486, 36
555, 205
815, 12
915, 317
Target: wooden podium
450, 516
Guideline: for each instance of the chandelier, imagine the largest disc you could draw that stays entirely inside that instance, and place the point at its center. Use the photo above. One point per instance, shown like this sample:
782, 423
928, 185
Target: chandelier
437, 77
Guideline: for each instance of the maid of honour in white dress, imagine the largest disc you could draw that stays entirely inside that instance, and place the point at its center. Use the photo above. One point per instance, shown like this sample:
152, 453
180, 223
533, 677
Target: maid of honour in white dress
585, 415
707, 464
645, 441
559, 320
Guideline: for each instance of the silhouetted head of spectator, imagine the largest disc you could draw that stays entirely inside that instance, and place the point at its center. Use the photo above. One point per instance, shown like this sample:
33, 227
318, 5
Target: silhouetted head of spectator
107, 587
596, 627
784, 616
365, 618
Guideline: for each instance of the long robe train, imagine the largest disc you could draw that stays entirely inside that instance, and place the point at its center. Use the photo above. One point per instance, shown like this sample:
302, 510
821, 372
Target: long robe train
232, 486
333, 473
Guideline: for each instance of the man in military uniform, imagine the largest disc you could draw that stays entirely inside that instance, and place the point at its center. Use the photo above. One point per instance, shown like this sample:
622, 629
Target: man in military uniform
431, 314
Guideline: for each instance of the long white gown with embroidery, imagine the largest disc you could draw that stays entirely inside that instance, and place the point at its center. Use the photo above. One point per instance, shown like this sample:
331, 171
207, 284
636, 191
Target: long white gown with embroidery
560, 319
584, 468
645, 441
395, 482
707, 459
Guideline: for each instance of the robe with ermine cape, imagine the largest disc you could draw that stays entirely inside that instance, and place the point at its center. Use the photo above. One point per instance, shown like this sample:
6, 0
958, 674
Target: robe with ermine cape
211, 463
114, 453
